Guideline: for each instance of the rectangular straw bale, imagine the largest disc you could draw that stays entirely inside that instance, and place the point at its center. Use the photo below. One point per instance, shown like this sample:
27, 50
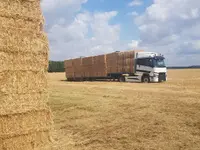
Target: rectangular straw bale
23, 82
86, 70
128, 65
78, 68
99, 70
69, 71
100, 73
112, 69
87, 61
21, 24
121, 56
77, 62
31, 141
77, 74
68, 63
70, 74
90, 70
18, 61
111, 61
26, 9
29, 122
21, 103
127, 54
23, 41
120, 62
100, 59
112, 55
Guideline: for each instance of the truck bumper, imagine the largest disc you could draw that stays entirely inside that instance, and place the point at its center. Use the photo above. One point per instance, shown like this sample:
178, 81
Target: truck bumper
160, 78
154, 79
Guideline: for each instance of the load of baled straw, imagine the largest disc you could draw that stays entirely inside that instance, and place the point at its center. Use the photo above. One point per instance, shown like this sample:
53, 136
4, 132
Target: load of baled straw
25, 118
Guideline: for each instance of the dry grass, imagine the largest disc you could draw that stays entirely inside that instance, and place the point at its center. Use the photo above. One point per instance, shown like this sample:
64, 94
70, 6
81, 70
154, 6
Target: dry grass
112, 115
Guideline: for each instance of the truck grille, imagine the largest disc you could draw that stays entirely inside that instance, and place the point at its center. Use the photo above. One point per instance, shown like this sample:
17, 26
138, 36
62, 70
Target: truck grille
162, 77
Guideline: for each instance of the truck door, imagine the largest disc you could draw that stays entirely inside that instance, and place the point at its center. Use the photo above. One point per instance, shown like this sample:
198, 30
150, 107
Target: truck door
144, 65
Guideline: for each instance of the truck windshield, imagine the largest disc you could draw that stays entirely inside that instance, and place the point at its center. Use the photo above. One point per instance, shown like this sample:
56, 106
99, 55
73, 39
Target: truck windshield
159, 62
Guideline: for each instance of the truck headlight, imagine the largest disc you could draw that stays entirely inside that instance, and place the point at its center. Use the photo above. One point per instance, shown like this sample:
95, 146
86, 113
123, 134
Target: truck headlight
155, 74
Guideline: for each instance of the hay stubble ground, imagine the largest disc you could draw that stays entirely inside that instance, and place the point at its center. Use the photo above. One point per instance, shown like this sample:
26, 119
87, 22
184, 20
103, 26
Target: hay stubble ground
127, 116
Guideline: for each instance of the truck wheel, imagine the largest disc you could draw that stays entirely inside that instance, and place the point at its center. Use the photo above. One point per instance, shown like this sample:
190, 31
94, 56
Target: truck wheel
122, 79
145, 79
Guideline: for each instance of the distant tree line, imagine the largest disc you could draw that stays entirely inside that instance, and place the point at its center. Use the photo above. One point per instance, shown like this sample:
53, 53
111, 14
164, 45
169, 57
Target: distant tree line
184, 67
56, 66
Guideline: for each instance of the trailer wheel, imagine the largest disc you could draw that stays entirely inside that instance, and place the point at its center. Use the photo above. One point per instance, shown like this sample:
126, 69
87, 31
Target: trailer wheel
121, 79
145, 79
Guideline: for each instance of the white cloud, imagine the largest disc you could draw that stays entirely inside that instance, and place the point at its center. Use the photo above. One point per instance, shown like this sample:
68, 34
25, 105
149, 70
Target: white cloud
133, 44
87, 34
172, 27
135, 3
49, 5
134, 13
102, 30
55, 10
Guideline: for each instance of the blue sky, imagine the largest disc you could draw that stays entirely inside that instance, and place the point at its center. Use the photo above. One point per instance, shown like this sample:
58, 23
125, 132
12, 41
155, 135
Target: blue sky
124, 18
90, 27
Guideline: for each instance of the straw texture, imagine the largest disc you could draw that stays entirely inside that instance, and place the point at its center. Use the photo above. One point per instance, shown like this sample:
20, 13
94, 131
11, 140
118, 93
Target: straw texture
16, 124
112, 62
22, 82
99, 67
22, 41
13, 61
21, 23
26, 142
25, 9
22, 103
25, 117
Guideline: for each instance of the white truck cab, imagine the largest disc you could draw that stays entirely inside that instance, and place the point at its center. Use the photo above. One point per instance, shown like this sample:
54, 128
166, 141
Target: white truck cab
149, 67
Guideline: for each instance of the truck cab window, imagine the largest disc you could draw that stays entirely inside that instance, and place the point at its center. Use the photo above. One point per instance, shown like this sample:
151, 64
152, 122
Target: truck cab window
159, 63
145, 62
141, 62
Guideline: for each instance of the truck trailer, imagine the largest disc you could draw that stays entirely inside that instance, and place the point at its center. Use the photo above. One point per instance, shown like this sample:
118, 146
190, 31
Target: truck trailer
126, 66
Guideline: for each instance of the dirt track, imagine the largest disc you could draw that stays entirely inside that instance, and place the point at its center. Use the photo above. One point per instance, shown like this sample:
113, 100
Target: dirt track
112, 115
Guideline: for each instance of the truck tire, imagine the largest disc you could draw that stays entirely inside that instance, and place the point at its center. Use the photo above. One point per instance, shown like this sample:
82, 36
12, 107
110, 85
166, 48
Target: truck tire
145, 79
121, 79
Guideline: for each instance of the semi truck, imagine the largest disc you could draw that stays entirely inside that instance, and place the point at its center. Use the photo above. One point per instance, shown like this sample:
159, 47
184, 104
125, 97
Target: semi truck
125, 66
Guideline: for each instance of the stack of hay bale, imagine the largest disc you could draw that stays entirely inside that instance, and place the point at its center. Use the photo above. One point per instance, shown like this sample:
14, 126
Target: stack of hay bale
87, 63
129, 61
126, 61
77, 67
112, 62
99, 66
120, 62
25, 118
69, 67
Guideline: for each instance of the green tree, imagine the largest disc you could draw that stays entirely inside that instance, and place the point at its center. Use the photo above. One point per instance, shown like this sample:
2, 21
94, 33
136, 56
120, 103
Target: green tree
56, 66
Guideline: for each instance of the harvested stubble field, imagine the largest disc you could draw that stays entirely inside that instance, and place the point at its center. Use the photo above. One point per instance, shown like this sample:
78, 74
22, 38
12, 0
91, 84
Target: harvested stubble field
127, 116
